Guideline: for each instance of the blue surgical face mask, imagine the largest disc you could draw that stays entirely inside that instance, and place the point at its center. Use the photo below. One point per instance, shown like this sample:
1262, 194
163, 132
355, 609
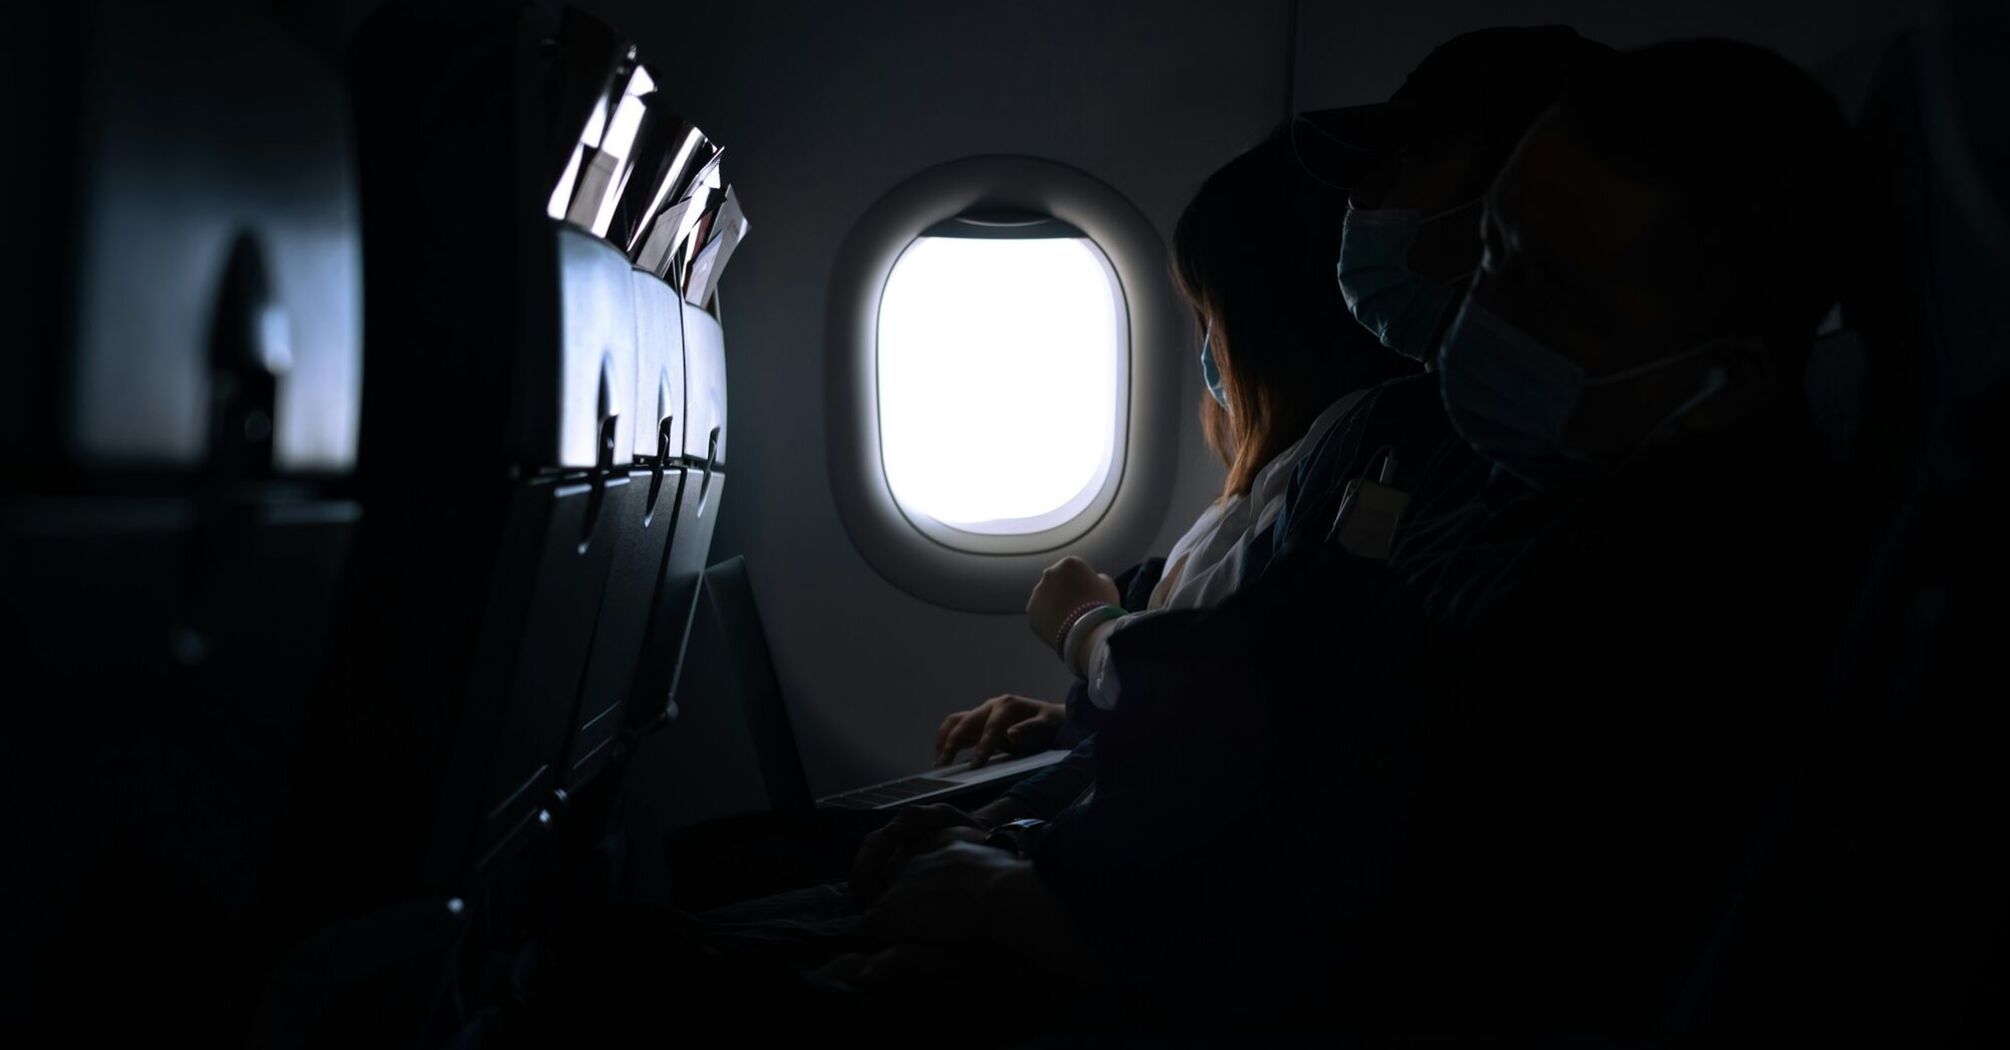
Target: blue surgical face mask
1402, 308
1510, 396
1211, 373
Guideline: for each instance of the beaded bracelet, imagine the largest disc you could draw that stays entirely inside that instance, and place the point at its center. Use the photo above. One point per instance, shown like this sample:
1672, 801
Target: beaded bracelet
1068, 624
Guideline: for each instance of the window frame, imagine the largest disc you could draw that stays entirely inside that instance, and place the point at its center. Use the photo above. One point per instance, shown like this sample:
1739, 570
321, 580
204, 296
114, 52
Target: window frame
993, 572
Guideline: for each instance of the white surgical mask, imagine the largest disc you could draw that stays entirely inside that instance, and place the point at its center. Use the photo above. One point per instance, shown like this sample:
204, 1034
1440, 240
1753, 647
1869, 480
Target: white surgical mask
1401, 307
1510, 396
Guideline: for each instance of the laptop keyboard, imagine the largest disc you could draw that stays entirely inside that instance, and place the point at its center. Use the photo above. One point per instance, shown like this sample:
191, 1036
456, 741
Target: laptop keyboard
889, 793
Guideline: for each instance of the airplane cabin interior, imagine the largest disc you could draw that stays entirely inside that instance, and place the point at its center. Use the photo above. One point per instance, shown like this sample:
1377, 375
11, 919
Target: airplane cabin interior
1355, 522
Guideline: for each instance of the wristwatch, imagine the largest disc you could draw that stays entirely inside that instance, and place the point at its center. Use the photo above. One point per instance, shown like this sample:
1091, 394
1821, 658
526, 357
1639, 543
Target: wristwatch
1016, 836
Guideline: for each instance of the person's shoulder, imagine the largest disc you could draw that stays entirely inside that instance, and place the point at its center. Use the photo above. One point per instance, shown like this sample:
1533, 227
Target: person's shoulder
1422, 386
1355, 412
1403, 411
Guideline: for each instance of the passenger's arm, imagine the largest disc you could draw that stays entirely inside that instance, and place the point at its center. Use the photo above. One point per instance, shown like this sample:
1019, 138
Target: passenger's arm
1007, 713
1064, 588
1159, 860
1092, 663
1091, 651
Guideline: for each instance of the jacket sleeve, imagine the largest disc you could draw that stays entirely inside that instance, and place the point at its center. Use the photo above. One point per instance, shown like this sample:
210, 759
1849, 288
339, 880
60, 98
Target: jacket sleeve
1049, 791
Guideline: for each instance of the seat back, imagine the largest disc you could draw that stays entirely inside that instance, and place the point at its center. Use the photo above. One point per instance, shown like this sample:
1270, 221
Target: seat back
733, 750
524, 450
644, 524
656, 678
562, 522
497, 439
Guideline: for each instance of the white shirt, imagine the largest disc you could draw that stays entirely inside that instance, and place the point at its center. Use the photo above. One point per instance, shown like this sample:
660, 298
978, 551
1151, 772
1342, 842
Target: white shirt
1206, 565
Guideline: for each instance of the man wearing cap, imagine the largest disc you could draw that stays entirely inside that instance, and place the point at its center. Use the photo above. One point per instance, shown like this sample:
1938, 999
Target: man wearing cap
1417, 167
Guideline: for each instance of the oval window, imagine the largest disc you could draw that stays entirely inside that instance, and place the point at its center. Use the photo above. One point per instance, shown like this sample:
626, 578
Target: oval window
1003, 373
1001, 366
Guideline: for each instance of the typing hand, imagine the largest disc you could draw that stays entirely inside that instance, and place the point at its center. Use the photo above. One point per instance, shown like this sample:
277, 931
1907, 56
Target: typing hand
1021, 723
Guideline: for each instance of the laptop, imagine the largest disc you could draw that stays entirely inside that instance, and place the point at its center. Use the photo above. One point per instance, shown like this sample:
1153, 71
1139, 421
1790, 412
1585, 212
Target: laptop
740, 755
944, 784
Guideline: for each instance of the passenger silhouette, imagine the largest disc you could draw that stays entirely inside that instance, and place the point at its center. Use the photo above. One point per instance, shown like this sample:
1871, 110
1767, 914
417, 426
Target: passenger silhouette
1507, 781
1252, 257
1424, 156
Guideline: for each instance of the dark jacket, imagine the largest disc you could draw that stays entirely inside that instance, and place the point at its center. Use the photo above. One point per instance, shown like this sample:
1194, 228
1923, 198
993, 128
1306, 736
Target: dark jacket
1403, 420
1046, 793
1506, 781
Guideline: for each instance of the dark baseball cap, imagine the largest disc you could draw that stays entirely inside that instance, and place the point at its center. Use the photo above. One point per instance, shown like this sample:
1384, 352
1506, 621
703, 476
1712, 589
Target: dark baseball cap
1502, 78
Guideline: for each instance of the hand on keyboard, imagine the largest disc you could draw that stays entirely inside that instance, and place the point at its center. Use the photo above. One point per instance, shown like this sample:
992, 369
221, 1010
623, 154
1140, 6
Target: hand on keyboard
1019, 724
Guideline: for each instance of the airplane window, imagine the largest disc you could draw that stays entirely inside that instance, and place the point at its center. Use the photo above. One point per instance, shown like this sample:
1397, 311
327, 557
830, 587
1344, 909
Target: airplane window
1004, 384
1001, 353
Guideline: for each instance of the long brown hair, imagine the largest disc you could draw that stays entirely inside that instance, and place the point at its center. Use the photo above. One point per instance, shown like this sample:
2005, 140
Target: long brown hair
1253, 254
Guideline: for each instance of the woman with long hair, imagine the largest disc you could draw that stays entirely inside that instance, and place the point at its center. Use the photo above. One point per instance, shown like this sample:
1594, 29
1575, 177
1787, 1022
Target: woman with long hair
1253, 257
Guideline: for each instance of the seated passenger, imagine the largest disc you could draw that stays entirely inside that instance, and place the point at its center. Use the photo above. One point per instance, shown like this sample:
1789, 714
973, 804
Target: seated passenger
1281, 359
1432, 148
1409, 247
1510, 782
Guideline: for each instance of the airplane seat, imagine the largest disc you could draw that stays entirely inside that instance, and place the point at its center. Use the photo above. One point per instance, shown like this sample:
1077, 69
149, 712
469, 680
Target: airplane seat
721, 809
643, 531
652, 725
182, 412
1877, 906
496, 437
679, 235
526, 450
733, 754
676, 600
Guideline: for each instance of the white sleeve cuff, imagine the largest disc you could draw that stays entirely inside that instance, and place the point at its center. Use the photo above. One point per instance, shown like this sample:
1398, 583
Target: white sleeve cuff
1097, 680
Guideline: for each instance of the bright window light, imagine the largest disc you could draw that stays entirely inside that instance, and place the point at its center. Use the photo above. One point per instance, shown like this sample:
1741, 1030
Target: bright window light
999, 362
